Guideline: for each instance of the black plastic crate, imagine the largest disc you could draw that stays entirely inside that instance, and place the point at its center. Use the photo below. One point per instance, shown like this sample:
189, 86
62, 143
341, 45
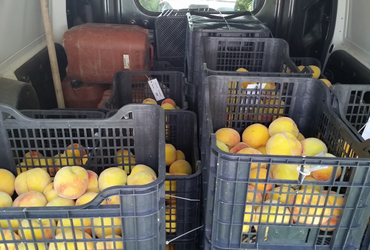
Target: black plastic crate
132, 87
139, 216
63, 114
306, 101
352, 103
166, 66
241, 24
184, 190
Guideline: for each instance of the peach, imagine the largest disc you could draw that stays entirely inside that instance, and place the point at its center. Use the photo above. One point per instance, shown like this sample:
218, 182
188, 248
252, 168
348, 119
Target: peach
5, 200
248, 217
30, 155
283, 124
64, 160
35, 179
333, 200
49, 192
316, 71
112, 200
140, 178
13, 223
79, 224
71, 182
180, 155
262, 150
326, 81
150, 101
170, 186
7, 179
285, 172
300, 137
310, 178
109, 225
169, 100
70, 235
312, 215
262, 174
171, 154
37, 229
60, 202
325, 174
256, 135
313, 146
228, 136
141, 168
32, 246
252, 151
222, 146
30, 199
281, 194
87, 197
168, 106
75, 150
93, 185
110, 244
271, 214
125, 160
8, 235
253, 195
283, 144
171, 219
239, 146
110, 177
180, 166
122, 155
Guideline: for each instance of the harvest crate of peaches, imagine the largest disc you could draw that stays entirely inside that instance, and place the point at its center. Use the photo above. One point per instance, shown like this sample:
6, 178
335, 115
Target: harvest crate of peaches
283, 170
83, 184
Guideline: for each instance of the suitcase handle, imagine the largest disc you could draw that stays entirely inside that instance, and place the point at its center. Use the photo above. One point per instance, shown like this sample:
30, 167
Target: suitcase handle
212, 15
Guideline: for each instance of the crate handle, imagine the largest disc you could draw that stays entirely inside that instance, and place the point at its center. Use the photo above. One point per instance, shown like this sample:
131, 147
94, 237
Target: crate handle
6, 109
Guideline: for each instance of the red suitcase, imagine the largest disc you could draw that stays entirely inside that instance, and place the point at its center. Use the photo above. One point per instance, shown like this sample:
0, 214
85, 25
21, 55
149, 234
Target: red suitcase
95, 51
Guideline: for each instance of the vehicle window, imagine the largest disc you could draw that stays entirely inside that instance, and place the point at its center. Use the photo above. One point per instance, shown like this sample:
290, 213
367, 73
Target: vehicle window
220, 5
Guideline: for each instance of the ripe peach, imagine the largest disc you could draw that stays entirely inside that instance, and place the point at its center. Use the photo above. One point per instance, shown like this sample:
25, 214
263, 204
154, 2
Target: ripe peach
112, 200
312, 215
333, 200
239, 146
7, 181
253, 195
110, 244
87, 197
326, 81
60, 202
30, 199
93, 185
228, 136
75, 150
13, 223
283, 124
169, 100
125, 160
222, 146
168, 106
142, 167
149, 101
64, 160
300, 137
70, 235
252, 151
283, 144
171, 154
140, 178
308, 179
180, 155
32, 246
5, 200
35, 179
262, 150
262, 174
109, 225
8, 235
316, 71
113, 176
79, 224
71, 182
180, 166
42, 229
248, 217
325, 174
284, 193
285, 172
28, 157
49, 192
171, 219
313, 146
256, 135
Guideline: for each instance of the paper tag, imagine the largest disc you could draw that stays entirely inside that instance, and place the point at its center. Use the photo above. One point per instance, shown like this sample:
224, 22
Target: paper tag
366, 133
156, 89
126, 61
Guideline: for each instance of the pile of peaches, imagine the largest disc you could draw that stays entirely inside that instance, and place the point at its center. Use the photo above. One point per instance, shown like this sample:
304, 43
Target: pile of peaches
283, 138
165, 104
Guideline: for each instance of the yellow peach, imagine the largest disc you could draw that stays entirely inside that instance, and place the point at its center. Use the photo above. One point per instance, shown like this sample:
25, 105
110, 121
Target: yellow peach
325, 174
180, 166
75, 150
333, 200
300, 137
110, 226
87, 197
8, 235
70, 245
140, 178
285, 172
168, 106
316, 71
262, 150
79, 224
283, 124
170, 101
259, 174
112, 200
71, 182
35, 179
7, 181
30, 199
252, 151
222, 146
228, 136
142, 167
171, 154
248, 217
308, 187
5, 200
93, 185
281, 194
60, 202
239, 146
326, 81
65, 160
149, 101
49, 192
171, 219
37, 229
283, 144
110, 177
180, 155
32, 246
253, 195
110, 244
256, 135
313, 146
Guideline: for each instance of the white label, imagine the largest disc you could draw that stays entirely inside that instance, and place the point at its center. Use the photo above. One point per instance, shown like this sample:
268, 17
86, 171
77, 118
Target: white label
156, 89
126, 61
366, 133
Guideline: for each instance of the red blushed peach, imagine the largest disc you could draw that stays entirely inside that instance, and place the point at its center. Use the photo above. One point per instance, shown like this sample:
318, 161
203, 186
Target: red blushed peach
228, 136
253, 195
239, 147
149, 101
75, 150
262, 174
71, 182
325, 174
30, 199
338, 201
93, 185
170, 101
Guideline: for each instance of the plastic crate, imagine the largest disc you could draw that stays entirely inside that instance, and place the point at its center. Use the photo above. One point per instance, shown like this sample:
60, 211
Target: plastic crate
63, 114
242, 24
352, 103
133, 87
306, 101
186, 245
181, 131
305, 61
166, 66
140, 214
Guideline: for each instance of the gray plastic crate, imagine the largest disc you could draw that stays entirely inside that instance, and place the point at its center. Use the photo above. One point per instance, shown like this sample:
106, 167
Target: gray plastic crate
132, 87
306, 101
63, 114
243, 24
141, 210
